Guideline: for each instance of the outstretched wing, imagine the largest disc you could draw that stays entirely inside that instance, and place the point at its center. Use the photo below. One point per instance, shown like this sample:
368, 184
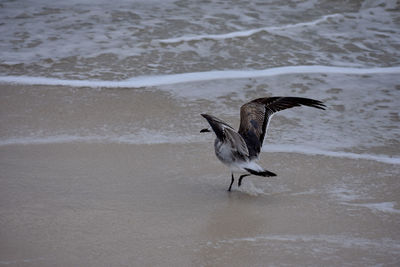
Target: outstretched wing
226, 133
256, 114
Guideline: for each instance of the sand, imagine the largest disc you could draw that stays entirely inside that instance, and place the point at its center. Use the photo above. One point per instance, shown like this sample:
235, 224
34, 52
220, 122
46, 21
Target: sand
93, 204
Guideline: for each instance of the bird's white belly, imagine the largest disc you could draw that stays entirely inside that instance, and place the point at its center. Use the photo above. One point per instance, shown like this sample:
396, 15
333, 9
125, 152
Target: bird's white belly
225, 154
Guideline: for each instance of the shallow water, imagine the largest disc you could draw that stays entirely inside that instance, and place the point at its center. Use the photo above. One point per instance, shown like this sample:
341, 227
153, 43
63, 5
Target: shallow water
167, 204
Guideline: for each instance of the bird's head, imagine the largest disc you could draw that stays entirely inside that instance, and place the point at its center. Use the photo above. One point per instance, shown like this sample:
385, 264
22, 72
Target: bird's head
206, 130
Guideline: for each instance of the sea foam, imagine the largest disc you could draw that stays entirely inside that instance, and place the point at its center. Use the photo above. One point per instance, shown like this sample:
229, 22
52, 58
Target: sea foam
382, 207
323, 240
157, 80
246, 33
336, 154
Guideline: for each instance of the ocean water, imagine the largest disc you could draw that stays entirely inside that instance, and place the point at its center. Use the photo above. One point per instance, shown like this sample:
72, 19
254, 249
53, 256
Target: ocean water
204, 56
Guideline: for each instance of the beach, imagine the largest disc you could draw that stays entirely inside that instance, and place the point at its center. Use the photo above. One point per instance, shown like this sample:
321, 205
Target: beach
155, 200
102, 162
167, 204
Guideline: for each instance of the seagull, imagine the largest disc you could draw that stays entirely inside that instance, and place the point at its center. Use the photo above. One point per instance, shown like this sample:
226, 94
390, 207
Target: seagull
239, 150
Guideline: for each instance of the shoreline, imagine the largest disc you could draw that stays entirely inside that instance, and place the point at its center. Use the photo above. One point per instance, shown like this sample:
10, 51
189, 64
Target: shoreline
131, 140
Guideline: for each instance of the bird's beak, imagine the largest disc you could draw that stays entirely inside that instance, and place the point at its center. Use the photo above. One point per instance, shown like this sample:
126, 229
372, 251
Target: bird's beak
205, 130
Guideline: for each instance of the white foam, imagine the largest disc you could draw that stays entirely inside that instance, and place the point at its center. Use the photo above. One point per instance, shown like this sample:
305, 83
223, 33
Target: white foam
250, 189
338, 240
337, 154
246, 33
141, 137
157, 80
382, 207
39, 140
21, 261
343, 193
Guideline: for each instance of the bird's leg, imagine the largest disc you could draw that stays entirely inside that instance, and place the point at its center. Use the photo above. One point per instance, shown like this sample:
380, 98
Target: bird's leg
240, 179
233, 179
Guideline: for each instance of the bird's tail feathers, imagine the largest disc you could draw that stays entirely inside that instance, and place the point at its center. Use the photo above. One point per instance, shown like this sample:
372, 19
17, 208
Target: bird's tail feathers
255, 169
263, 173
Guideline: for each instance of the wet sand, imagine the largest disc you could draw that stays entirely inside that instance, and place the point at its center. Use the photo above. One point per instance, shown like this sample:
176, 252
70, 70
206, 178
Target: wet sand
81, 204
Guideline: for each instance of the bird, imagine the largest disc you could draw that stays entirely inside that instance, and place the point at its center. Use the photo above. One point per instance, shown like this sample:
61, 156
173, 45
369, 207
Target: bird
239, 150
